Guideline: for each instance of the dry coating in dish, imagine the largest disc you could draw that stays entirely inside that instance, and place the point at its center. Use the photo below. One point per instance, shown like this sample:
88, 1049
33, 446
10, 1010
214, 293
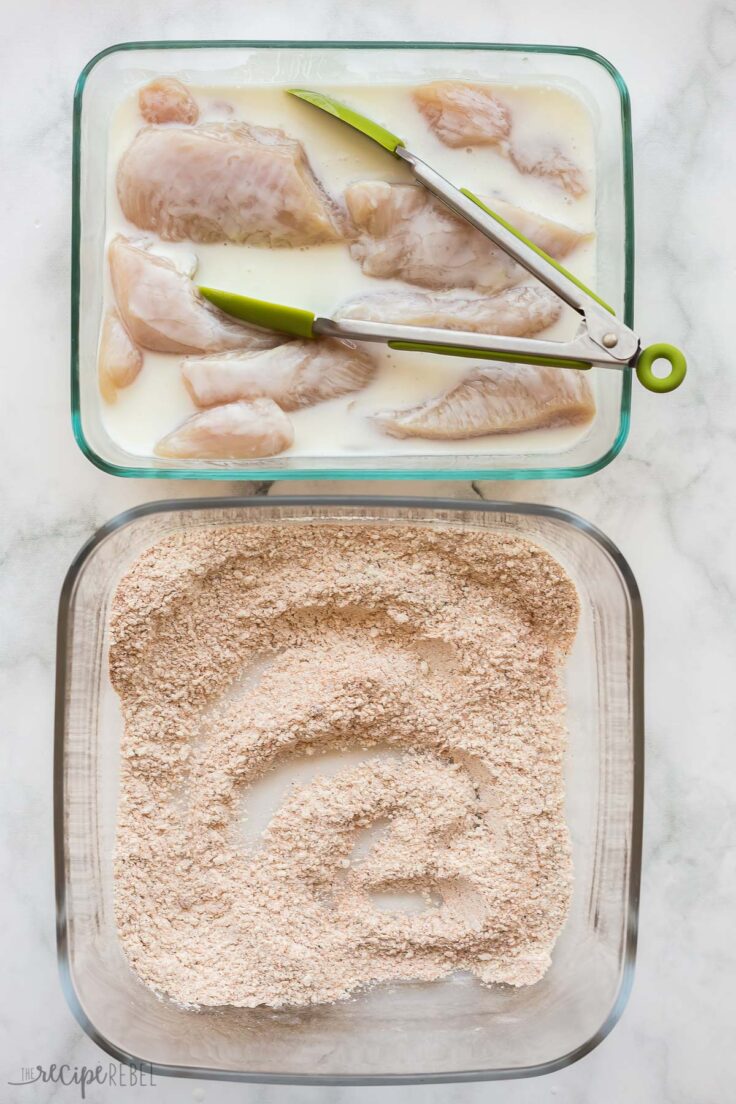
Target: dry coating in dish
438, 655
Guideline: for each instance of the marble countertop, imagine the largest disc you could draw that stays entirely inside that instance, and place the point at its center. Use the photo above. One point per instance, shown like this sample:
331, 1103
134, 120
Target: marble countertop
667, 502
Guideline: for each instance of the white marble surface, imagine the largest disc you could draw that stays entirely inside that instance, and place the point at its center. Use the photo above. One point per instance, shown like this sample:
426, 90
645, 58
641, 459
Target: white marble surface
668, 502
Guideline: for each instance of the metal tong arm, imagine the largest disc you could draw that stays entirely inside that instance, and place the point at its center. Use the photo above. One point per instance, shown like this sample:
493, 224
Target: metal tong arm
581, 352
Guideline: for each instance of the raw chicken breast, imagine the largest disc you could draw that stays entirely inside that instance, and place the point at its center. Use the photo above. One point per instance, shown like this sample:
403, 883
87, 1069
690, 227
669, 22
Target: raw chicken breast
297, 374
552, 163
516, 312
405, 232
238, 431
119, 360
554, 238
167, 100
463, 114
497, 399
163, 311
225, 182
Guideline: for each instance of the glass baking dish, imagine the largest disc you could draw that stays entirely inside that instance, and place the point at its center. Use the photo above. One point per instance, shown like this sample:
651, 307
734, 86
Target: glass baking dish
447, 1031
112, 74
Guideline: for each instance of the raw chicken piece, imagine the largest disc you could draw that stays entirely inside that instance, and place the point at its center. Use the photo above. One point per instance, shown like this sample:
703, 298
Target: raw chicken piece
225, 182
553, 164
554, 238
238, 431
497, 399
516, 312
405, 232
163, 311
293, 375
167, 100
119, 360
463, 114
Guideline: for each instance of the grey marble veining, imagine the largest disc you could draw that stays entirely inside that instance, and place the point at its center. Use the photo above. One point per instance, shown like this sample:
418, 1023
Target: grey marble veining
668, 502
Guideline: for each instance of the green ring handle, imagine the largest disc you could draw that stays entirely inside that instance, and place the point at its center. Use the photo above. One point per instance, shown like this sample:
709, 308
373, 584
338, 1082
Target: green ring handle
662, 351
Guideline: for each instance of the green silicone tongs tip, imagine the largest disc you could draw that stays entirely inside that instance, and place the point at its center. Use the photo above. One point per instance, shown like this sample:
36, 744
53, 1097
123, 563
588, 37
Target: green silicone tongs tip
258, 312
353, 118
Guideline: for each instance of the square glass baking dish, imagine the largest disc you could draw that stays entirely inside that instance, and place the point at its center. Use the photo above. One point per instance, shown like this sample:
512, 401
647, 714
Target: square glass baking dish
447, 1031
112, 73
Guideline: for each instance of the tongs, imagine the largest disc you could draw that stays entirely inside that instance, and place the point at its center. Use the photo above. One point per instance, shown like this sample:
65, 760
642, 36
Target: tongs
602, 340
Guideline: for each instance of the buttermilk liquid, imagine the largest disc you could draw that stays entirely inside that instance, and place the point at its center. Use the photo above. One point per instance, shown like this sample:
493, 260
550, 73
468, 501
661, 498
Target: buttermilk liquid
320, 278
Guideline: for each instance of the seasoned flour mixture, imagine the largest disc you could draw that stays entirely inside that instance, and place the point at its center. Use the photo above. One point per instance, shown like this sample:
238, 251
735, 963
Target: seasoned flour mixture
437, 655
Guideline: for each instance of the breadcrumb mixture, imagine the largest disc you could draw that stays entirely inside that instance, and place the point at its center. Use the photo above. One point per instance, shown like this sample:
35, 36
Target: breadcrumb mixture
234, 649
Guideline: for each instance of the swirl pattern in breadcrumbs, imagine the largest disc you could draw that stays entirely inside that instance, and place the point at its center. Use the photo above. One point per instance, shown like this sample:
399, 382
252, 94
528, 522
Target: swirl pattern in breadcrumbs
437, 651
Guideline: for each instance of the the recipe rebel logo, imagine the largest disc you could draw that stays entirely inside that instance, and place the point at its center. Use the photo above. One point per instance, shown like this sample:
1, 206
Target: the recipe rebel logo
117, 1074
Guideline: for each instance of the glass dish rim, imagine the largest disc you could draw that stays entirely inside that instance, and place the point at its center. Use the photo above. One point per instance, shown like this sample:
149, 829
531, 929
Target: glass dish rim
373, 502
343, 473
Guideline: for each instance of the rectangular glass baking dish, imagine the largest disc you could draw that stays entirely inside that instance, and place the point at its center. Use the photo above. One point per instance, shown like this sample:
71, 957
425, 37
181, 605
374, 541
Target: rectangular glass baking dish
447, 1031
112, 73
